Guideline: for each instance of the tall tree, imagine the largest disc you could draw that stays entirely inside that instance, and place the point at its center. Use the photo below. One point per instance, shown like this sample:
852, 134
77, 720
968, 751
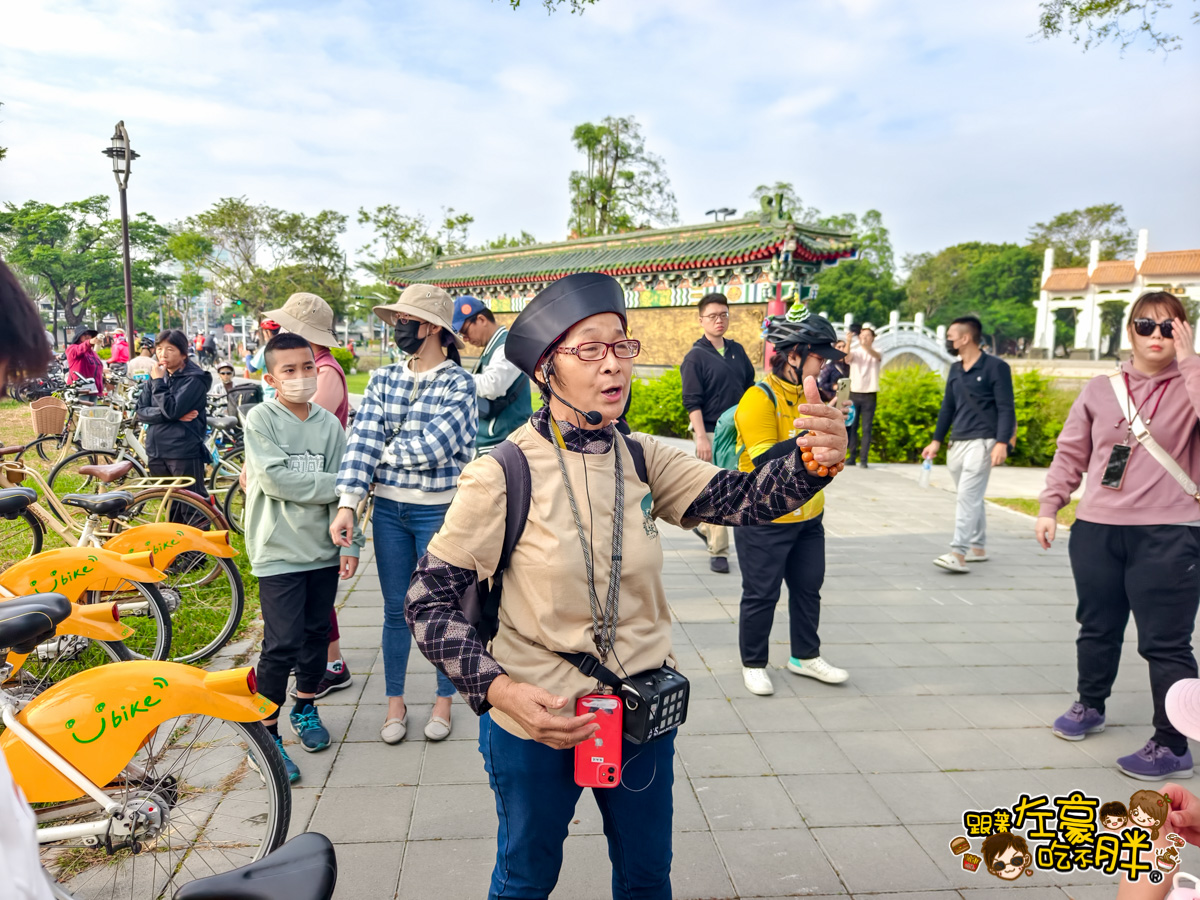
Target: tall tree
874, 239
3, 150
76, 250
261, 255
1122, 22
576, 6
858, 287
623, 186
400, 239
503, 242
790, 203
1071, 234
997, 282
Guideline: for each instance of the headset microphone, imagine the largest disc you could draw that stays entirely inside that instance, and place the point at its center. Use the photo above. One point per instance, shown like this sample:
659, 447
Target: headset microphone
592, 417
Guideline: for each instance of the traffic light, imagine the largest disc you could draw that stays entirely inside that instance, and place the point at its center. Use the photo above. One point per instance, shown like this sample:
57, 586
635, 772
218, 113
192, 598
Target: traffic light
237, 302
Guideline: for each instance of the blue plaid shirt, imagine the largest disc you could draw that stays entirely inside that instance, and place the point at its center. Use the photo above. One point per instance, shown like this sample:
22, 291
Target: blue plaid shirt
437, 432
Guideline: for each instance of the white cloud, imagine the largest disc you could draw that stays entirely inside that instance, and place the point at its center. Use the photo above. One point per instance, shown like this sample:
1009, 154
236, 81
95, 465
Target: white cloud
943, 115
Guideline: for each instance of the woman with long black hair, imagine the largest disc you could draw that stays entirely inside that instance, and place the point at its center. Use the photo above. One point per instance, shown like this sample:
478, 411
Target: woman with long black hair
413, 433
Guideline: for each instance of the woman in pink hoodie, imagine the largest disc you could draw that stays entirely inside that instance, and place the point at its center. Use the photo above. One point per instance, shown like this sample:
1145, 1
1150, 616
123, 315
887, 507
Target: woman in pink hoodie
1135, 545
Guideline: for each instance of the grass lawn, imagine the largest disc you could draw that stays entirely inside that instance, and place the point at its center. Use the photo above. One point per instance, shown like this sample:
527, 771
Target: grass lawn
357, 383
1066, 516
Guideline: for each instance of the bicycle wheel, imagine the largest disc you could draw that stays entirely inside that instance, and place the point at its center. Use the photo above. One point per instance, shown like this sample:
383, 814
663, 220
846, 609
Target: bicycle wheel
234, 507
20, 538
207, 598
48, 447
139, 606
228, 470
219, 799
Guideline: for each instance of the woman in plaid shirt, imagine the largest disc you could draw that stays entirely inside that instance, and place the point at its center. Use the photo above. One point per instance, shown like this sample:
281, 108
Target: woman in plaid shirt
412, 435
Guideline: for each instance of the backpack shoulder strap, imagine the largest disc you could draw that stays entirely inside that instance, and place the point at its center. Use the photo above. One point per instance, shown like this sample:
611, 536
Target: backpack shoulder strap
766, 389
516, 476
638, 452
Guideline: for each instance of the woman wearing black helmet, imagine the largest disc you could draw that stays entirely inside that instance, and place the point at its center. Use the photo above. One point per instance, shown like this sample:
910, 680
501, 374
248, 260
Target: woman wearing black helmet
584, 579
790, 548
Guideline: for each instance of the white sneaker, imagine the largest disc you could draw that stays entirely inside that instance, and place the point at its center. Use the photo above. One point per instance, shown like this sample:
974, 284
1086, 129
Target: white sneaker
757, 681
819, 669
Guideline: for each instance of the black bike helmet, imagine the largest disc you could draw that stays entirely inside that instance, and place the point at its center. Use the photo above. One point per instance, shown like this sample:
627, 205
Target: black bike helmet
146, 342
554, 310
805, 332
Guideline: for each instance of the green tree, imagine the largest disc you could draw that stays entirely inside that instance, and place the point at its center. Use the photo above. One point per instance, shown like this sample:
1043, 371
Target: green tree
75, 249
1071, 234
874, 239
857, 287
790, 203
623, 186
576, 6
1112, 317
996, 282
1122, 22
3, 150
258, 254
503, 242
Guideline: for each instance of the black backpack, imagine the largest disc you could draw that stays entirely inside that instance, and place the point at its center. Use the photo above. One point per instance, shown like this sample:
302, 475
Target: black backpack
481, 602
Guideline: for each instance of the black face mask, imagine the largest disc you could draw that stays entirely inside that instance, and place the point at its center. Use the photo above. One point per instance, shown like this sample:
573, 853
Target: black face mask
950, 348
406, 336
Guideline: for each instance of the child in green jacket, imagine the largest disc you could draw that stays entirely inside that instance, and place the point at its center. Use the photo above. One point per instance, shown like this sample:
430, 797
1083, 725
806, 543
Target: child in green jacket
293, 450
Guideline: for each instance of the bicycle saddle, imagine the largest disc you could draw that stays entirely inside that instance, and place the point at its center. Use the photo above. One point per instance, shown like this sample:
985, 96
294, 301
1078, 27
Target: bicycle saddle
225, 423
107, 473
13, 500
100, 504
305, 868
27, 621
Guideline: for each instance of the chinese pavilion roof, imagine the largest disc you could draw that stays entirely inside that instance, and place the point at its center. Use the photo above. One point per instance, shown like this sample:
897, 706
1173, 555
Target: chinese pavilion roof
1159, 264
650, 251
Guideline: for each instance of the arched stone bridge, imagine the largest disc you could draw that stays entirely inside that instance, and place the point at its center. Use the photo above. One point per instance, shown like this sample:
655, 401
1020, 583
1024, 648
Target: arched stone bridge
906, 343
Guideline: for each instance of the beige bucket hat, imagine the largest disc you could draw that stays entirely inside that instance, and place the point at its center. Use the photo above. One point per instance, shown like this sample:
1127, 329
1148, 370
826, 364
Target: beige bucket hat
425, 302
308, 316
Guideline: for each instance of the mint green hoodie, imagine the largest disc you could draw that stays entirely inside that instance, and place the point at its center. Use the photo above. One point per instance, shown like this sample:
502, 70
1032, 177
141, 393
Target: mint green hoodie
291, 467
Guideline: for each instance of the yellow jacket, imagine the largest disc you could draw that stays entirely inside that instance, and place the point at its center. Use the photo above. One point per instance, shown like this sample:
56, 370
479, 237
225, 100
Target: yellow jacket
762, 424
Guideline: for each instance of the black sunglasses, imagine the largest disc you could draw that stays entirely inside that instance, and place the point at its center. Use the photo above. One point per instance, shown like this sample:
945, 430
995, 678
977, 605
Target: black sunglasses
1017, 861
1145, 327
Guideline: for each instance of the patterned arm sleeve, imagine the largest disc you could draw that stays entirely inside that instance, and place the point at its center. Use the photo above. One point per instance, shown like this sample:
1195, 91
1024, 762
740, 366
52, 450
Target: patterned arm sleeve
365, 445
443, 633
758, 497
447, 434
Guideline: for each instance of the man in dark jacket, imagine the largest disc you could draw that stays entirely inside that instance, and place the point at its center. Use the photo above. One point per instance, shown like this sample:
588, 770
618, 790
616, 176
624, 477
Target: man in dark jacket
715, 372
172, 404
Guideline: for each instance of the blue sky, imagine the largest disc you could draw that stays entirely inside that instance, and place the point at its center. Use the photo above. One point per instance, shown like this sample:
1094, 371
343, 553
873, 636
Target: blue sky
944, 115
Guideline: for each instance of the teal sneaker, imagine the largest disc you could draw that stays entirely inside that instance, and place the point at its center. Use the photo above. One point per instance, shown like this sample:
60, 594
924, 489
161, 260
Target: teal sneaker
307, 726
293, 771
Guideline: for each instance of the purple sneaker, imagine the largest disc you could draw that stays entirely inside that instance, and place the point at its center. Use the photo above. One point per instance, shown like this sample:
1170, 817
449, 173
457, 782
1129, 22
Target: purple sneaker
1154, 762
1078, 722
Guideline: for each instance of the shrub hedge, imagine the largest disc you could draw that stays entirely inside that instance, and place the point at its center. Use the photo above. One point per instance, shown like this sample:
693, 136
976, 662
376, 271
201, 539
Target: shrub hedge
905, 414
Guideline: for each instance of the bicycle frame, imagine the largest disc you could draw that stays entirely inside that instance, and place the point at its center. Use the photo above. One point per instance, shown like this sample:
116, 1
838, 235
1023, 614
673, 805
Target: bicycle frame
61, 747
63, 522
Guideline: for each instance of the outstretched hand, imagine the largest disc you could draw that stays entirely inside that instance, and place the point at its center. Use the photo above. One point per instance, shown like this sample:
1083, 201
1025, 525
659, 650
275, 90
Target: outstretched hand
826, 427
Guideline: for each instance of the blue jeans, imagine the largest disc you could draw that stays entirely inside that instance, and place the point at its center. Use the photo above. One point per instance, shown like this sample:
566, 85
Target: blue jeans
535, 801
402, 531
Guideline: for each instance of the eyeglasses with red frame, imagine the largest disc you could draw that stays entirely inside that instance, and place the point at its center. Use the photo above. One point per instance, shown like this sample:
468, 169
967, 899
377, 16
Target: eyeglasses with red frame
594, 351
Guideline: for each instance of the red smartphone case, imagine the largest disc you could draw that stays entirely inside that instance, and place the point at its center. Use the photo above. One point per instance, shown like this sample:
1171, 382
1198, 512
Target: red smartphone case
598, 759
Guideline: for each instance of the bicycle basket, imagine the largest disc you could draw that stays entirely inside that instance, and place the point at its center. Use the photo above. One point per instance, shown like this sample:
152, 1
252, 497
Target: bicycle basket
49, 415
98, 428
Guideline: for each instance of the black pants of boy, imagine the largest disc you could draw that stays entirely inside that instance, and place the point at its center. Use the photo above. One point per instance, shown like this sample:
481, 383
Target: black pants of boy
864, 417
295, 610
1152, 571
768, 556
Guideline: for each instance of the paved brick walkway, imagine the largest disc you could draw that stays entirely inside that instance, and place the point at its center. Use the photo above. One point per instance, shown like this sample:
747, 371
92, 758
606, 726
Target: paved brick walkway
849, 790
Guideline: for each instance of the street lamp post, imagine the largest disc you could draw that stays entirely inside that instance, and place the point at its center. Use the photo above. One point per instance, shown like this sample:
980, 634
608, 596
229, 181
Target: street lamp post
122, 158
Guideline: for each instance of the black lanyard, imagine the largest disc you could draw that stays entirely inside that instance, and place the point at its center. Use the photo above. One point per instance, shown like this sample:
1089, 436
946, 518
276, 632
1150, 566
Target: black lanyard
604, 623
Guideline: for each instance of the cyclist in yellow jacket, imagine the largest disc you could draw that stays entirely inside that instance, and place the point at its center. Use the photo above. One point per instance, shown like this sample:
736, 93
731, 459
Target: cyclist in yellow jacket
791, 548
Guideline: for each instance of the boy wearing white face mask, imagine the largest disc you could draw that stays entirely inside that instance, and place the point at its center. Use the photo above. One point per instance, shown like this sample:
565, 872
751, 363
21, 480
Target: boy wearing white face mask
293, 449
